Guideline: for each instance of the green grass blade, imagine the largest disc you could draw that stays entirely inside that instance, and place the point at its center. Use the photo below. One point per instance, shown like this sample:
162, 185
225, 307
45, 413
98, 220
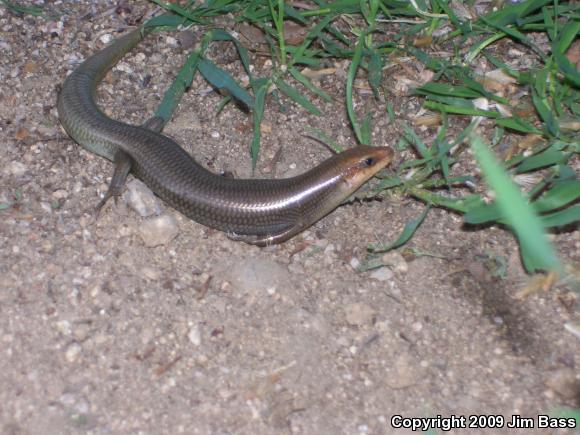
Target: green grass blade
179, 10
461, 110
560, 195
354, 64
571, 413
224, 81
166, 20
416, 141
517, 35
452, 101
294, 14
387, 183
448, 90
312, 34
567, 36
477, 48
537, 253
562, 218
541, 103
462, 205
222, 35
549, 23
547, 158
365, 130
563, 193
36, 11
405, 235
511, 14
299, 77
483, 214
375, 72
517, 124
321, 136
175, 92
567, 69
260, 87
293, 94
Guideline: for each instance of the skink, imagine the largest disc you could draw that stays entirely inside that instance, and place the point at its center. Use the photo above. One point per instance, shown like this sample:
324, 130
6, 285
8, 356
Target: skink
256, 211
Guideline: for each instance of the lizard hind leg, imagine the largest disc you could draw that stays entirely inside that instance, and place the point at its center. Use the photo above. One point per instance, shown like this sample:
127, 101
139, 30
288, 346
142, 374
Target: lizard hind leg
268, 239
123, 163
155, 123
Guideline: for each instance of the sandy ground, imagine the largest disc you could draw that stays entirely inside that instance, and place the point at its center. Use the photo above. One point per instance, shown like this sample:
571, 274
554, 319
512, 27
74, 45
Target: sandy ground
101, 333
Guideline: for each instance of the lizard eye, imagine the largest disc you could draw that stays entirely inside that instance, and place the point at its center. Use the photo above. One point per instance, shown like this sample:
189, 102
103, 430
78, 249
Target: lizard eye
369, 161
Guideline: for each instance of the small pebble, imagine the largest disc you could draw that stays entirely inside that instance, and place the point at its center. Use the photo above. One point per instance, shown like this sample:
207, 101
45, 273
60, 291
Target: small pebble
81, 331
194, 336
417, 326
573, 327
354, 263
46, 207
151, 273
75, 403
171, 42
382, 274
359, 314
106, 38
125, 231
47, 246
64, 327
396, 261
564, 382
258, 276
141, 199
16, 169
159, 230
60, 194
404, 372
73, 352
125, 68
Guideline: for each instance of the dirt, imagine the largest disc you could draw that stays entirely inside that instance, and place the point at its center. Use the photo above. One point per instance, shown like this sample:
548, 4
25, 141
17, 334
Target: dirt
102, 334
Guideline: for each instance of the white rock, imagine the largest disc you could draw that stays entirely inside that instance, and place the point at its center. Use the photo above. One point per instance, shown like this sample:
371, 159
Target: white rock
359, 314
140, 198
125, 68
46, 207
573, 327
565, 382
396, 261
60, 194
258, 276
151, 273
382, 274
64, 327
404, 372
194, 336
16, 168
81, 332
171, 42
106, 38
159, 230
73, 351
